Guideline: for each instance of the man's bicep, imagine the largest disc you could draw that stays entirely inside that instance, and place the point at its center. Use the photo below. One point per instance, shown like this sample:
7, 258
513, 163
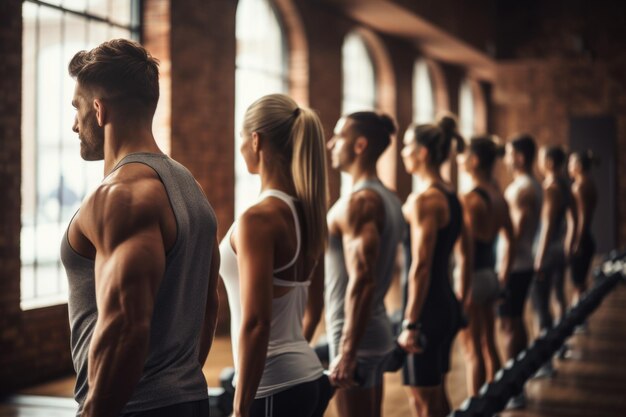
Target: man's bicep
130, 254
361, 250
128, 276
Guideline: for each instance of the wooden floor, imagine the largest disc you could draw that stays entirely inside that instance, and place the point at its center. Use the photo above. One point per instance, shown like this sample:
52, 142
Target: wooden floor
590, 383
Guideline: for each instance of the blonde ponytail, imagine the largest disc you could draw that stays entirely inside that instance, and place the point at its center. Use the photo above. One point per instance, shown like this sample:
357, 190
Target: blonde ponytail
297, 134
308, 168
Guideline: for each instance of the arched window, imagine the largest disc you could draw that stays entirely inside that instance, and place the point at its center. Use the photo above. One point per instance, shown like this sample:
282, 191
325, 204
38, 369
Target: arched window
54, 178
466, 109
466, 126
423, 93
359, 85
261, 68
423, 98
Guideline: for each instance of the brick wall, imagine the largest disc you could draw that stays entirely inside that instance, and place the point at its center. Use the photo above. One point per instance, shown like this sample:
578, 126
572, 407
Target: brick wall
34, 345
202, 48
563, 60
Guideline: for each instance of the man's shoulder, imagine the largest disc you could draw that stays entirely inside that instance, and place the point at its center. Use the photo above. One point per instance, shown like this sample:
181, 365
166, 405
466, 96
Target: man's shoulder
365, 205
127, 195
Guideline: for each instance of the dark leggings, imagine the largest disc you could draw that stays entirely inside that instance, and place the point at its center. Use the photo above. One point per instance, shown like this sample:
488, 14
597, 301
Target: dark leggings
541, 291
309, 399
189, 409
582, 260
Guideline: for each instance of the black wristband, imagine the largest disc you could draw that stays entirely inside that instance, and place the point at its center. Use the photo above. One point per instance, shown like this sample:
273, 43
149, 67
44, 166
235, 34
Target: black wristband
410, 325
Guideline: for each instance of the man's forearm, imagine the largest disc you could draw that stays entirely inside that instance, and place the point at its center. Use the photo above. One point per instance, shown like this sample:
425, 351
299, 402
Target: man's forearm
116, 359
357, 312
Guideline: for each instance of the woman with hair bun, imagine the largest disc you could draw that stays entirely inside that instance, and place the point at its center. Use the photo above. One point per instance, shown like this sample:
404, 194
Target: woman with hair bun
431, 308
271, 263
585, 198
487, 214
448, 123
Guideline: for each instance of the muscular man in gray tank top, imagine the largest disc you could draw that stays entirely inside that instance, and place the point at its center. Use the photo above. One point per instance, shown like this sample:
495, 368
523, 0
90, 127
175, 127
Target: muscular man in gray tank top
365, 229
140, 254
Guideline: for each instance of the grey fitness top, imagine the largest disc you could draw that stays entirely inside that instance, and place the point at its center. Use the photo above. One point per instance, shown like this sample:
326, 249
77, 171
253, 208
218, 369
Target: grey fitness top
378, 338
172, 373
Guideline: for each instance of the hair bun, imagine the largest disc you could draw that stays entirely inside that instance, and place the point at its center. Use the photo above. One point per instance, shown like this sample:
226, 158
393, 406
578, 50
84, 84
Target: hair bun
388, 123
500, 151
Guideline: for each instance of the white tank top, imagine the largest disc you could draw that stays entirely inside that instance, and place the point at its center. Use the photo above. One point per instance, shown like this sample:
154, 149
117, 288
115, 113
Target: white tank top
290, 360
526, 245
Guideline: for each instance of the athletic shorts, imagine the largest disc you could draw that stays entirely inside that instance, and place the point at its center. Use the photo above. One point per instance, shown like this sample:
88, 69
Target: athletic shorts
485, 286
188, 409
308, 399
370, 370
428, 368
516, 291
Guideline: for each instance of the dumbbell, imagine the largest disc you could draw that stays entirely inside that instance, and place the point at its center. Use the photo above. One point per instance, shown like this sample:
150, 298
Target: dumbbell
322, 350
498, 392
395, 359
220, 402
471, 407
221, 398
539, 352
525, 366
226, 379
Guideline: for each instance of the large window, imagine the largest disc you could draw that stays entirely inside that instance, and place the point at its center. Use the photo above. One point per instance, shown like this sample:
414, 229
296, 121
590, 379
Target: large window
423, 94
423, 99
359, 85
54, 178
466, 126
261, 69
466, 109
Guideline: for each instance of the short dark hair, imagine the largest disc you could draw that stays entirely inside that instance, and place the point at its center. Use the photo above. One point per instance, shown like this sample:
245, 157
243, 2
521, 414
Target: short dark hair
586, 159
123, 68
525, 145
557, 155
487, 150
376, 127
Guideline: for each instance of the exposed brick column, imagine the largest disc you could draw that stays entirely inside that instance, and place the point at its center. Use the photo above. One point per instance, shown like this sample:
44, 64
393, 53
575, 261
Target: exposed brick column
10, 173
34, 344
202, 51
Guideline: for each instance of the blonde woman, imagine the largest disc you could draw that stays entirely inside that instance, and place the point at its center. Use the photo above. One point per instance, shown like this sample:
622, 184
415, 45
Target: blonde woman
271, 263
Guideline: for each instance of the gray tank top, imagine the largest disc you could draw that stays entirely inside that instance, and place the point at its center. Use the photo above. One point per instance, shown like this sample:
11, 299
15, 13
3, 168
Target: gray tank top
378, 337
172, 373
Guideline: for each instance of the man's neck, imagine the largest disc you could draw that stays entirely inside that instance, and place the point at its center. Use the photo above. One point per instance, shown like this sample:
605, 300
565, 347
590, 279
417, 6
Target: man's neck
360, 173
119, 142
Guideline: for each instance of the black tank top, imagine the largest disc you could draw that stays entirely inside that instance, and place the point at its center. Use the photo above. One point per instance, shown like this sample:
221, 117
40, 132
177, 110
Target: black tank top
446, 238
484, 250
440, 310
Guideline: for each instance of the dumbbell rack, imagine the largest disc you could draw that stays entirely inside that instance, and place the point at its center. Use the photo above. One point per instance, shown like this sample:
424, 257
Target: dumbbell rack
509, 381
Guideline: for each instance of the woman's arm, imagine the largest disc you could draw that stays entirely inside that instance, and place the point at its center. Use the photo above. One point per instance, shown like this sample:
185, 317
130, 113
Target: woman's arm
255, 243
424, 221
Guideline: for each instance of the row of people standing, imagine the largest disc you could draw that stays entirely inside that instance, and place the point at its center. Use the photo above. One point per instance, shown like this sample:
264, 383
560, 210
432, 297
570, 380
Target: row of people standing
364, 230
143, 263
